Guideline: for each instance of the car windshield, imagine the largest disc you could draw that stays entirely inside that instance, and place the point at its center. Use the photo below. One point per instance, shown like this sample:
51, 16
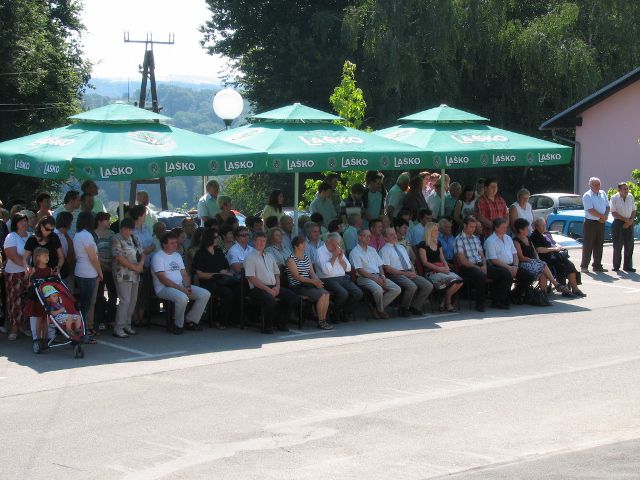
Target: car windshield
572, 202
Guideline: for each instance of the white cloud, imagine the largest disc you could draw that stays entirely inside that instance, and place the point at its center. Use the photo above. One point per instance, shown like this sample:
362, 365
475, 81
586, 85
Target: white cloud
107, 20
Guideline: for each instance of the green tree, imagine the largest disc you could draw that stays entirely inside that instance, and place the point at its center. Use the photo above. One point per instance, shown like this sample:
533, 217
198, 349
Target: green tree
42, 73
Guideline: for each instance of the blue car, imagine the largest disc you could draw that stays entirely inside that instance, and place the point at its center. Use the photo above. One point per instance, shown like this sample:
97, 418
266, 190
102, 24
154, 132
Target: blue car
571, 224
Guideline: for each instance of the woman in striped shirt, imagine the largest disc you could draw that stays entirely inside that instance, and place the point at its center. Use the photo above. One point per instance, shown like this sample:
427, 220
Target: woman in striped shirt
304, 281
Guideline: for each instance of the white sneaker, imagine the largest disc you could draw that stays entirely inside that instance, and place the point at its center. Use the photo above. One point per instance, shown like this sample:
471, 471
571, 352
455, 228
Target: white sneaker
130, 331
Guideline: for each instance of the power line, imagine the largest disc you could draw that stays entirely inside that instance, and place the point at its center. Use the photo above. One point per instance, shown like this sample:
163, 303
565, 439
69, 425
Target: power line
28, 109
31, 104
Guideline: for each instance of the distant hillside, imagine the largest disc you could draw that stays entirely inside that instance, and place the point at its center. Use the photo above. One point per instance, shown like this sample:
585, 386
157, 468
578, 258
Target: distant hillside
117, 88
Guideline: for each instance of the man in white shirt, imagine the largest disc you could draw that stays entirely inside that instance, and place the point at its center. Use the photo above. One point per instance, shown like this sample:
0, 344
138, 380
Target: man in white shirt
171, 282
398, 267
370, 269
239, 250
501, 253
623, 209
596, 212
208, 204
263, 276
331, 267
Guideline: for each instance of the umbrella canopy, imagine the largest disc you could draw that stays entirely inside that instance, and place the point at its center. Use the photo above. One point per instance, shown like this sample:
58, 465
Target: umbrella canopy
133, 146
297, 138
457, 139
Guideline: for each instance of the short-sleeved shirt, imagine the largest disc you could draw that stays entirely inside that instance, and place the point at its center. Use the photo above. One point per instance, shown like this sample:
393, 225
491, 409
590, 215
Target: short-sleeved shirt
262, 266
281, 254
390, 255
325, 207
127, 249
368, 259
312, 250
350, 237
105, 249
416, 234
448, 247
171, 265
491, 209
81, 242
75, 213
395, 199
207, 262
52, 245
144, 236
374, 203
500, 249
325, 269
15, 240
597, 201
623, 207
208, 206
470, 247
237, 254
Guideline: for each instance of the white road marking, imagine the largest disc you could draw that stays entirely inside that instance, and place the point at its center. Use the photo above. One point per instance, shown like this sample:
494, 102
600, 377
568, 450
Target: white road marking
139, 353
604, 284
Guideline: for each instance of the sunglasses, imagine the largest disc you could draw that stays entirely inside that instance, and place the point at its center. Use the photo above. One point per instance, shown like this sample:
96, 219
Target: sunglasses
49, 229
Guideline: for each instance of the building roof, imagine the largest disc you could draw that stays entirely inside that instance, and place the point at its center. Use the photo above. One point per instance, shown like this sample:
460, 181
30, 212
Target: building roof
570, 118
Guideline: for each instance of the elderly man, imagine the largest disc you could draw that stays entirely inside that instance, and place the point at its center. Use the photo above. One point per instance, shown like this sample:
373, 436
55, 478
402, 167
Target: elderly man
473, 268
323, 203
286, 224
395, 197
239, 251
263, 276
501, 253
623, 209
208, 204
398, 267
150, 219
312, 231
490, 206
332, 267
171, 282
370, 269
446, 239
596, 212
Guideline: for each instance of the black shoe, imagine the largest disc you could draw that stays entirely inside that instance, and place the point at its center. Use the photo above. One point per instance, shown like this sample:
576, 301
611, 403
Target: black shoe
500, 305
630, 270
194, 327
415, 311
579, 293
177, 330
403, 312
615, 269
600, 269
480, 308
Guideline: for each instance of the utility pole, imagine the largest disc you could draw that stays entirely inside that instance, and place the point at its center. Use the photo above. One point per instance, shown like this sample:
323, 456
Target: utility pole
148, 71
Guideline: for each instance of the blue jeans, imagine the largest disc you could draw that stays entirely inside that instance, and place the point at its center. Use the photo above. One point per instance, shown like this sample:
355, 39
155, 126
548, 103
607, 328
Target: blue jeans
85, 288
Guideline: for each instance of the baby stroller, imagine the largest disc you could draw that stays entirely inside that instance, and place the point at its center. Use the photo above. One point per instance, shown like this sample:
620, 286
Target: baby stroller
55, 330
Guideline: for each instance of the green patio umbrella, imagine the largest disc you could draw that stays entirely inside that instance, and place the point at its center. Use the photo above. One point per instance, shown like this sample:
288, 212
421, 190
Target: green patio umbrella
297, 138
122, 142
453, 138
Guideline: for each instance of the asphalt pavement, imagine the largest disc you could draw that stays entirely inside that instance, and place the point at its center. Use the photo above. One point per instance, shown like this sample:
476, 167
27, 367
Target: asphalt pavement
529, 393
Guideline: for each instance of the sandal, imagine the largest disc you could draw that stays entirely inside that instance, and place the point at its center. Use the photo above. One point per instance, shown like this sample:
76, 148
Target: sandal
194, 327
92, 332
323, 325
88, 340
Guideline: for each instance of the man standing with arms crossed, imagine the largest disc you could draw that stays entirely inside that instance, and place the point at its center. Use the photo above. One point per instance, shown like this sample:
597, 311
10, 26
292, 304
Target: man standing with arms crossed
596, 212
623, 209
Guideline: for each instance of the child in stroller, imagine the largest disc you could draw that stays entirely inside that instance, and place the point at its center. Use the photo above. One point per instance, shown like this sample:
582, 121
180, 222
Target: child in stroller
55, 308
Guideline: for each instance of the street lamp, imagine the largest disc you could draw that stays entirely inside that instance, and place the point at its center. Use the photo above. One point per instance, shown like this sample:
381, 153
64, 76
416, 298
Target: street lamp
228, 105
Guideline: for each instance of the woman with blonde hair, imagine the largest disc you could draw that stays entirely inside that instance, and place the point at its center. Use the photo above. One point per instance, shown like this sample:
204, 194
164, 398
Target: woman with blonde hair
521, 209
437, 270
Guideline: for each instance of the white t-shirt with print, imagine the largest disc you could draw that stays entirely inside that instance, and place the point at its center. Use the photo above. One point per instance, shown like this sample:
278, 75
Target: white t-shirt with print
170, 265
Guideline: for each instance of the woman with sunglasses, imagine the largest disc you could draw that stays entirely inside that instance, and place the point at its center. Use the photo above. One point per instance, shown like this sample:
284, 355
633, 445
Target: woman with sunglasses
213, 273
44, 237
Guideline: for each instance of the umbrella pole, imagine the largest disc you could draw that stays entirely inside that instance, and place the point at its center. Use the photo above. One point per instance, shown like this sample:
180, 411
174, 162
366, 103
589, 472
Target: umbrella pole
121, 200
296, 195
442, 193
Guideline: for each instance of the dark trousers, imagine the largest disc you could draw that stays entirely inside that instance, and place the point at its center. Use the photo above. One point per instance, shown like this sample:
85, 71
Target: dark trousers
622, 239
283, 308
592, 243
228, 295
106, 309
501, 278
346, 294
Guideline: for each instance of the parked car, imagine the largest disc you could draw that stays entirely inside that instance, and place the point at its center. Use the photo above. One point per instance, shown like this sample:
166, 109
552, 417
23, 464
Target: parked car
172, 218
571, 224
543, 204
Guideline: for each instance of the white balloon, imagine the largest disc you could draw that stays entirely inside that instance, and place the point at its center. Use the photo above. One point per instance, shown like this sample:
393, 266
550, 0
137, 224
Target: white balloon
228, 104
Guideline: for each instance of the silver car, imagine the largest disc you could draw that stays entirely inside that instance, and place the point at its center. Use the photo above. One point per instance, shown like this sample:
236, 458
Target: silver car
543, 204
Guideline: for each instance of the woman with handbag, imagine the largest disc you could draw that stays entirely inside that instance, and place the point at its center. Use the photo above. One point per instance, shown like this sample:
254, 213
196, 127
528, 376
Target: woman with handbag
556, 257
128, 264
211, 268
437, 270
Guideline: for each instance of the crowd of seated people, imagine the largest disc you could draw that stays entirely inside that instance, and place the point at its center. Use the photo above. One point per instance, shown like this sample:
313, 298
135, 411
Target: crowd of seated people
401, 247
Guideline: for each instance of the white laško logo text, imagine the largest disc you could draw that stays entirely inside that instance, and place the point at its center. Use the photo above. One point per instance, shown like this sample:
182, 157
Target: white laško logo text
238, 165
170, 167
467, 139
48, 168
503, 159
22, 165
54, 141
115, 172
313, 141
354, 162
549, 157
455, 160
405, 161
293, 164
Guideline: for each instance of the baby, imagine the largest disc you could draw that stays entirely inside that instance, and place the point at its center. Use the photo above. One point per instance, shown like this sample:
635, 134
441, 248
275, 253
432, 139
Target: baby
55, 308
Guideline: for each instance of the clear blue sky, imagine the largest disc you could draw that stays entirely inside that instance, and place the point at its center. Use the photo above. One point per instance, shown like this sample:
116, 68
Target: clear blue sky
106, 20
